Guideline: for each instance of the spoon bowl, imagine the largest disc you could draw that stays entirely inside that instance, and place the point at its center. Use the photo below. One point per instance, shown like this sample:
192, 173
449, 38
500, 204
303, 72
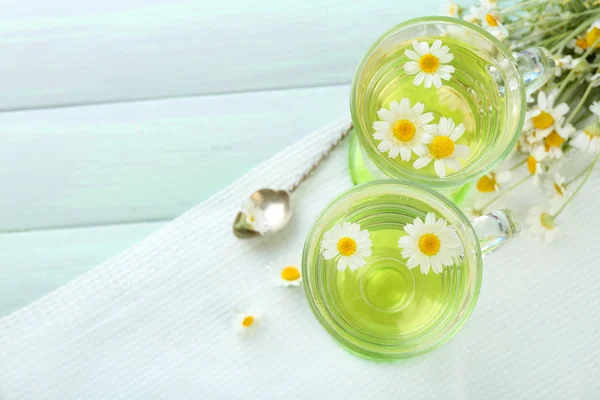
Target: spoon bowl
271, 207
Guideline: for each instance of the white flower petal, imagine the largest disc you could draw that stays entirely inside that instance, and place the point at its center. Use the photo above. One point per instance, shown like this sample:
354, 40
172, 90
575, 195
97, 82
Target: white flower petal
453, 163
437, 81
442, 51
405, 153
430, 218
425, 263
419, 78
385, 114
447, 68
381, 125
446, 58
404, 107
440, 168
461, 151
428, 80
421, 162
411, 67
412, 55
413, 262
457, 132
422, 48
425, 118
342, 264
330, 253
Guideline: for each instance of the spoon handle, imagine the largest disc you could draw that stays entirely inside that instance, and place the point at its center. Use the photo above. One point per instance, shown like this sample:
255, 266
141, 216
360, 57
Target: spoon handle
322, 158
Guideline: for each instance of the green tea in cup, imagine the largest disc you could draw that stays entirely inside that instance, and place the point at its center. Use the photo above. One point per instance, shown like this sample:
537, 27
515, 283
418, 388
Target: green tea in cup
393, 269
432, 77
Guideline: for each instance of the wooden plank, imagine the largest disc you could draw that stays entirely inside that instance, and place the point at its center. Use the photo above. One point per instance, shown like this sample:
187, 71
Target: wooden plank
35, 263
145, 161
65, 52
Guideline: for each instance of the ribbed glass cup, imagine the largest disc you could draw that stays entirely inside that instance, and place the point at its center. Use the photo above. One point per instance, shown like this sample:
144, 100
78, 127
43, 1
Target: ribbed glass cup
486, 93
385, 311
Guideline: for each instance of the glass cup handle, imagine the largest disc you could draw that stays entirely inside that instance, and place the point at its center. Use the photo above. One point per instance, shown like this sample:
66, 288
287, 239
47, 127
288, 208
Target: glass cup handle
536, 66
495, 228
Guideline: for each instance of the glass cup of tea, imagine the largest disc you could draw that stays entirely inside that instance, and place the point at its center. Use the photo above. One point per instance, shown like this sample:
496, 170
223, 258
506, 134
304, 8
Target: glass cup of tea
388, 309
479, 84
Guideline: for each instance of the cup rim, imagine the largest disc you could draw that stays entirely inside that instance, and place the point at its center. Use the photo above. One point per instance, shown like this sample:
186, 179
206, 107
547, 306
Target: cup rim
351, 345
434, 181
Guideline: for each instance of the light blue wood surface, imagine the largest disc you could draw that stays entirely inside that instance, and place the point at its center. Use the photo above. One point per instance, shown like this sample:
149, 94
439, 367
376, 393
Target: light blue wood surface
83, 182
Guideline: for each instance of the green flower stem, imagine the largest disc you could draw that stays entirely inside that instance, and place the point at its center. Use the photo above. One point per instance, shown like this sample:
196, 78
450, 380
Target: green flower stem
583, 98
528, 4
517, 165
579, 175
581, 28
587, 176
510, 189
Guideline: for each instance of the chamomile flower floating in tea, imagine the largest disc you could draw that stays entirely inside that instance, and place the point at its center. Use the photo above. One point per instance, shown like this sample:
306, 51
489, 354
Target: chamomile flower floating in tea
430, 244
349, 243
492, 182
254, 217
541, 224
534, 163
243, 323
285, 273
429, 64
403, 129
444, 149
544, 117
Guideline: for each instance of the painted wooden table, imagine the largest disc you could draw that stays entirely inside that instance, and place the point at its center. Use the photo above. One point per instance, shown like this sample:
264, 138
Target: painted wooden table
119, 115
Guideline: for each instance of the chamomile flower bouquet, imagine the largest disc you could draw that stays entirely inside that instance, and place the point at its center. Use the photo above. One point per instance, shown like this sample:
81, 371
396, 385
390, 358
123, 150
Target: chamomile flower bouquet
562, 123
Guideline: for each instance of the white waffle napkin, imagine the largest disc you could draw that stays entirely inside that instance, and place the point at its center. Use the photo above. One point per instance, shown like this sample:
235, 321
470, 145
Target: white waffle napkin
156, 321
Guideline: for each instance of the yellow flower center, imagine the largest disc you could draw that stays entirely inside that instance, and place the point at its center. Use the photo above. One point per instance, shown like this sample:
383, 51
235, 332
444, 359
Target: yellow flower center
429, 63
559, 189
252, 219
429, 244
592, 36
547, 221
531, 164
404, 130
346, 246
543, 120
553, 140
581, 43
248, 321
491, 20
290, 273
487, 183
441, 147
453, 9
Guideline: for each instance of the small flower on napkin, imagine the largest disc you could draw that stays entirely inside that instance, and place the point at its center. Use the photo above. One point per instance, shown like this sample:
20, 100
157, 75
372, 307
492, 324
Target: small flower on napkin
285, 273
246, 322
